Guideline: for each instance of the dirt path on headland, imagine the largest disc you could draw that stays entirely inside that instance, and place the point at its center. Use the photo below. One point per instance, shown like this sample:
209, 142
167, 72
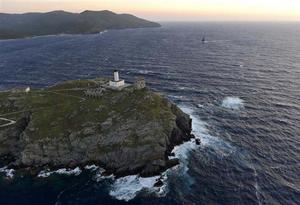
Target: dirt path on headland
56, 92
9, 122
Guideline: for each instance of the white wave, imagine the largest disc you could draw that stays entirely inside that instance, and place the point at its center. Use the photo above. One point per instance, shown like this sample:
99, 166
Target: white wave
234, 103
176, 97
102, 32
99, 173
100, 177
9, 173
91, 167
201, 132
200, 106
144, 71
182, 151
45, 173
64, 171
127, 188
77, 171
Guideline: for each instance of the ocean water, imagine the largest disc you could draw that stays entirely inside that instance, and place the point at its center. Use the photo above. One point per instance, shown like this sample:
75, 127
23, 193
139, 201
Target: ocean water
241, 87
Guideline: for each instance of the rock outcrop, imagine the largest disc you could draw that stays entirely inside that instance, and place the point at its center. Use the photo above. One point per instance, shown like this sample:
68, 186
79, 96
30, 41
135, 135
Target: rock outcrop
126, 132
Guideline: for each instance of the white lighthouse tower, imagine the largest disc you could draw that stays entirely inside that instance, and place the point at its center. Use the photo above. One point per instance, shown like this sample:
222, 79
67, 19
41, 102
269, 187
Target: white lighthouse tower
116, 83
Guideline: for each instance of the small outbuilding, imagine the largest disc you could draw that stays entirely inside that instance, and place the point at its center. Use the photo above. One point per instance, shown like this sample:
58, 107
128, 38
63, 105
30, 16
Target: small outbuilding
27, 90
140, 83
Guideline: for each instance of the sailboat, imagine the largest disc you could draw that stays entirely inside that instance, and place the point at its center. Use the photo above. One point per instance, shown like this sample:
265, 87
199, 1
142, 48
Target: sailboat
203, 39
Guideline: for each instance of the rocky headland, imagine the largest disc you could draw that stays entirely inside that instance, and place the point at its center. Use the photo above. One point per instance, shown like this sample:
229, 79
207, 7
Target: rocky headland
14, 26
131, 131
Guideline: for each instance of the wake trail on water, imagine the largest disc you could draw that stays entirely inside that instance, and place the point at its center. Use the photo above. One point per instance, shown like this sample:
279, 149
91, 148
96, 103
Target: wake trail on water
216, 41
257, 188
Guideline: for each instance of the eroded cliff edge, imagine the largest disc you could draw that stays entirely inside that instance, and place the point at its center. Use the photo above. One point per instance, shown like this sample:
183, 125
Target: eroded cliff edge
131, 131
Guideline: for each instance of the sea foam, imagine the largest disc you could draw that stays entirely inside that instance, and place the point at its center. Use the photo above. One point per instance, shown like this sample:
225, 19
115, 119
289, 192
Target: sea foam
102, 32
9, 173
100, 177
91, 167
64, 171
233, 103
144, 71
126, 188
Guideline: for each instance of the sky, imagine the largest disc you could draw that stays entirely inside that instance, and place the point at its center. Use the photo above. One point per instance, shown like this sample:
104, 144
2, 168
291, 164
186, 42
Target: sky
170, 10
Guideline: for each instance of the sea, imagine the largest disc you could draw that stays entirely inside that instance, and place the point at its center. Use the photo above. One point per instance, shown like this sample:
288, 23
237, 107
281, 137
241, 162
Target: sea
241, 87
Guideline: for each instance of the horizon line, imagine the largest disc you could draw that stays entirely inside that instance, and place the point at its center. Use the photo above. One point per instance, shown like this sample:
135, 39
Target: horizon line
167, 20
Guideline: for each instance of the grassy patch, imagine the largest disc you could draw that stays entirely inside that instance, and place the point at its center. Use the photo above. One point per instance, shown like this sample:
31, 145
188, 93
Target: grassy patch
63, 108
77, 84
3, 122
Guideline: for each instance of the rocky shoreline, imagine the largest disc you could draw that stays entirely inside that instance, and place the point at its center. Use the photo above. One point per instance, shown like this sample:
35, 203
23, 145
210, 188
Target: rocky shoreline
125, 132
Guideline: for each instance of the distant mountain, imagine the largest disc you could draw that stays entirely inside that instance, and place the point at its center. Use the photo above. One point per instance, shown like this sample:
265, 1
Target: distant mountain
61, 22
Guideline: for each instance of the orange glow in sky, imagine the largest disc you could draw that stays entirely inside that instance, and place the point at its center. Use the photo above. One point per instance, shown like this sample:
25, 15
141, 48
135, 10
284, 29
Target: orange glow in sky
176, 10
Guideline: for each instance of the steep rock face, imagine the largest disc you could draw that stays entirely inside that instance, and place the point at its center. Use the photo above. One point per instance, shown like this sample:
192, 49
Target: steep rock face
126, 132
10, 137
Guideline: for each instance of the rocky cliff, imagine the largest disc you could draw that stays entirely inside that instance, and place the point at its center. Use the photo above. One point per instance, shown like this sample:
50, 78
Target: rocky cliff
126, 132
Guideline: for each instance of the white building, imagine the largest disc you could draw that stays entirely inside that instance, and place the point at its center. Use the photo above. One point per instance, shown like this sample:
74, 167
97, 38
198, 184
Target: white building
116, 83
27, 90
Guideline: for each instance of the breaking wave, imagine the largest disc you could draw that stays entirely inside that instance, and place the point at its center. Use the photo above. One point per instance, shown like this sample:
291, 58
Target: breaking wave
201, 132
64, 171
9, 173
144, 71
127, 188
91, 167
102, 32
233, 103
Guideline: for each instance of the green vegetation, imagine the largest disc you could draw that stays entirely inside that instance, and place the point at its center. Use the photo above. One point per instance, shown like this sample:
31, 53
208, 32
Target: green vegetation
61, 109
61, 22
61, 126
2, 122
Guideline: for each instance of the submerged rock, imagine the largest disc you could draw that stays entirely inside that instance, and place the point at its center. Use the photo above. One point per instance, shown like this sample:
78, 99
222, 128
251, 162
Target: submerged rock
134, 133
158, 183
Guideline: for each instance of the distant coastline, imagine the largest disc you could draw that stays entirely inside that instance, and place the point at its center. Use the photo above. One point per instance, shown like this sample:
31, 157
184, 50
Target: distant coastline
29, 25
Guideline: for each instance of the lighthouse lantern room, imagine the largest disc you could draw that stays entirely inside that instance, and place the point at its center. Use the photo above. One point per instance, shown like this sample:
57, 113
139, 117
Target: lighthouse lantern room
116, 82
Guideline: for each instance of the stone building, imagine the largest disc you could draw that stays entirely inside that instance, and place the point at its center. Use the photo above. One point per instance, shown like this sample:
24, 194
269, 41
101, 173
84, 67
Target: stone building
140, 83
94, 93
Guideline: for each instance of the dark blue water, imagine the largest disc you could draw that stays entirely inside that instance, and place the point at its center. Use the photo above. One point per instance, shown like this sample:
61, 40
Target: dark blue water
250, 154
